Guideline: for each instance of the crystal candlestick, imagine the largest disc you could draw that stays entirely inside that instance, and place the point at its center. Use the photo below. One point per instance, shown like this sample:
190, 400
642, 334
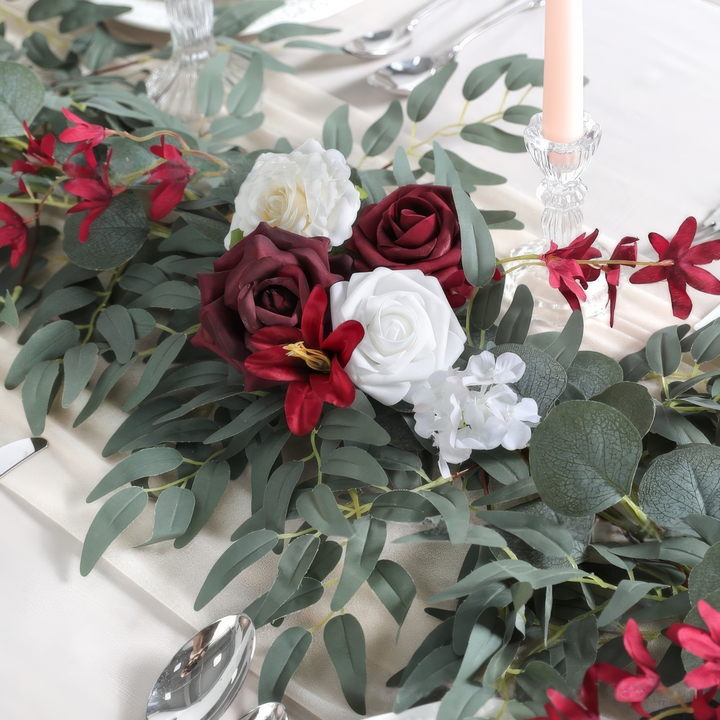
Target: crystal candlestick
173, 87
562, 192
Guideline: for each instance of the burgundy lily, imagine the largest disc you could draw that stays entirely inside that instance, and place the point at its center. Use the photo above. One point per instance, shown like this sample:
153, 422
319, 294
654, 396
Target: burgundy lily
704, 644
561, 707
631, 688
682, 270
626, 250
39, 154
14, 233
173, 176
566, 274
93, 187
83, 132
311, 363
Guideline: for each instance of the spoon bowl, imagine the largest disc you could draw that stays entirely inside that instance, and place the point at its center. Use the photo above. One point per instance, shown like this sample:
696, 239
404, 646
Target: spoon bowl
206, 673
378, 43
267, 711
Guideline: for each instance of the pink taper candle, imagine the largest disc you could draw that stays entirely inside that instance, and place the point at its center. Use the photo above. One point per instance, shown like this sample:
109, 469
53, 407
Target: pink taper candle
563, 85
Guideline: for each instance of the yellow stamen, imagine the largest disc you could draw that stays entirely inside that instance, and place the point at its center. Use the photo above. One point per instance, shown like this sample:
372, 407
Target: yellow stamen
315, 359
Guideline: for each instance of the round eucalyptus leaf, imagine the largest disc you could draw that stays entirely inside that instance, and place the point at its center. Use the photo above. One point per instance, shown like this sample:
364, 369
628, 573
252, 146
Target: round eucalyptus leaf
705, 576
593, 373
706, 346
114, 237
633, 401
683, 482
544, 378
21, 97
583, 457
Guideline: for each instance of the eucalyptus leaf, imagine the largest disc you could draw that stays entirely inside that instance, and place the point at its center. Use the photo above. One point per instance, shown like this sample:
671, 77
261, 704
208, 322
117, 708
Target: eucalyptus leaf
294, 563
520, 114
163, 357
402, 506
144, 463
345, 643
627, 595
423, 97
8, 312
45, 9
437, 668
583, 457
79, 363
260, 411
281, 661
88, 13
171, 295
356, 463
401, 168
544, 379
394, 587
244, 95
581, 642
286, 30
633, 401
445, 172
707, 527
592, 373
64, 300
21, 98
314, 45
478, 251
113, 517
361, 556
484, 134
486, 304
706, 346
565, 347
349, 424
492, 595
48, 343
514, 326
114, 237
319, 509
210, 89
173, 511
116, 326
278, 492
208, 487
382, 133
483, 77
705, 577
663, 351
682, 482
37, 393
328, 556
239, 556
451, 503
538, 532
227, 128
469, 174
524, 71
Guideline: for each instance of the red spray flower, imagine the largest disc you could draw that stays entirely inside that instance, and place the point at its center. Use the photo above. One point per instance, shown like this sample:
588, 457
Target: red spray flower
704, 644
311, 363
83, 132
626, 249
14, 233
586, 709
93, 187
631, 688
683, 271
566, 274
173, 176
702, 709
38, 155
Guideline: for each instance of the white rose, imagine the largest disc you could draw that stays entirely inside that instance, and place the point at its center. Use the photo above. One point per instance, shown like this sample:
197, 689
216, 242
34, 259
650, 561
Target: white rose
307, 191
410, 330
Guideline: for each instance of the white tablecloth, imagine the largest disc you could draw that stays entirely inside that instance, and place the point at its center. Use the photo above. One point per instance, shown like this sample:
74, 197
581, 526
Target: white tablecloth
76, 648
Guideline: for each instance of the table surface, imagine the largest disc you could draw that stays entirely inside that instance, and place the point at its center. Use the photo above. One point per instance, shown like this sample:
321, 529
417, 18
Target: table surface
76, 648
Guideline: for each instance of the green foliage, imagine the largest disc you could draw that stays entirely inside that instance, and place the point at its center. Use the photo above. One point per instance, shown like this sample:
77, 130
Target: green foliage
21, 98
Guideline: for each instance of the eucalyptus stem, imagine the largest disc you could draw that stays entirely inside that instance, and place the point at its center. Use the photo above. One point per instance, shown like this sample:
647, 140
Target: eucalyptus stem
115, 279
326, 619
467, 317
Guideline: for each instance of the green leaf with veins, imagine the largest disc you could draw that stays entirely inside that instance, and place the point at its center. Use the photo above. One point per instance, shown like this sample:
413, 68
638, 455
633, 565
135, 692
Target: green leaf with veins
583, 457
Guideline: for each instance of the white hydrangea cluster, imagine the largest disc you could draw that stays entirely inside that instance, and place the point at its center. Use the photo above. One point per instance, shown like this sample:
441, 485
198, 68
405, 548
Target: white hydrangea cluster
475, 409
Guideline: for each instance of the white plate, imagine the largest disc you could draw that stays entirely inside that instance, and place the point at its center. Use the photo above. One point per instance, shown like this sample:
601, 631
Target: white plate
151, 15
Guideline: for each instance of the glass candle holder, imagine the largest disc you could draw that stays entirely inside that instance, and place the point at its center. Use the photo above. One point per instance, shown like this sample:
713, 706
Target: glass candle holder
173, 87
561, 192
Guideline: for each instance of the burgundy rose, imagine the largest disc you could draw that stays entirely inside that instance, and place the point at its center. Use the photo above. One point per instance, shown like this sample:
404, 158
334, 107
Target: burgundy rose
415, 227
263, 281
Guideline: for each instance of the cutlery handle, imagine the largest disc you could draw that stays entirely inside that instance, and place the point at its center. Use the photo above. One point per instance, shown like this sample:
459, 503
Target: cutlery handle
495, 19
425, 11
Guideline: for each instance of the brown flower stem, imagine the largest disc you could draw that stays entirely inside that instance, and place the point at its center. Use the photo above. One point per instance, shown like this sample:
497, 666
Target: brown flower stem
137, 61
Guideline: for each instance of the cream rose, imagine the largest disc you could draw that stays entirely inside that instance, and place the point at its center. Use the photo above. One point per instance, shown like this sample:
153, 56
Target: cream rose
410, 330
307, 191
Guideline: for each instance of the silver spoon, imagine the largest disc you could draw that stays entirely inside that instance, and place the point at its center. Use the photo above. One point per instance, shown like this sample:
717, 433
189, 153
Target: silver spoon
403, 76
206, 673
267, 711
389, 40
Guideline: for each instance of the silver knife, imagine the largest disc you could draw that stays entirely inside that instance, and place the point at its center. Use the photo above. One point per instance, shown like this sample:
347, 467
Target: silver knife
14, 453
